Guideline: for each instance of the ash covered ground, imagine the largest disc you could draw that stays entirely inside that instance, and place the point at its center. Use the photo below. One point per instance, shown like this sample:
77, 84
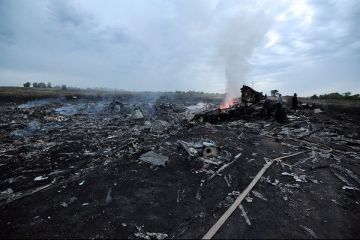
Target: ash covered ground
85, 168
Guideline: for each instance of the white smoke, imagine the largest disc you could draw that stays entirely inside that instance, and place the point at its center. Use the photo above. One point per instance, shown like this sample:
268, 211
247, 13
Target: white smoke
244, 29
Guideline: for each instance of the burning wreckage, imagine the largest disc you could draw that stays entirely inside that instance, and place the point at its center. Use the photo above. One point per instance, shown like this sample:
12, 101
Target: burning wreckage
251, 105
132, 168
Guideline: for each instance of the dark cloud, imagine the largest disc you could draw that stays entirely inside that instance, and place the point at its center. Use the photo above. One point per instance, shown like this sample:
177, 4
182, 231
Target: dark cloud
65, 13
6, 34
169, 45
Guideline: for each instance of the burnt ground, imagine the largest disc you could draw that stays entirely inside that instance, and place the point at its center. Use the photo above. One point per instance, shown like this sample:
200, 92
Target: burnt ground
75, 172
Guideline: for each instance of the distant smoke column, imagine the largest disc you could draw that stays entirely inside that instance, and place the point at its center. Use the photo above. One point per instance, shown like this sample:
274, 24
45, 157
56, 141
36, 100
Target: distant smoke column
236, 68
243, 32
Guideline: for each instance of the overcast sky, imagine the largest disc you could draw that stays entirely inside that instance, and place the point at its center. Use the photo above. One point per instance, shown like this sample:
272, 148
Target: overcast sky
291, 45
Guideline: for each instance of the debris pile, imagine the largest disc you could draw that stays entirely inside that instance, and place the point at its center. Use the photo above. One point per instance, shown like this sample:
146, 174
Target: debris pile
253, 106
118, 167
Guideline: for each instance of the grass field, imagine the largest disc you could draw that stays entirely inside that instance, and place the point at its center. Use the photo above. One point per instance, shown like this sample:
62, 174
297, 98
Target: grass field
19, 94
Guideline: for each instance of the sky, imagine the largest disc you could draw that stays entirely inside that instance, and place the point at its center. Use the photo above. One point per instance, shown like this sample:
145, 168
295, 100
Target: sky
303, 46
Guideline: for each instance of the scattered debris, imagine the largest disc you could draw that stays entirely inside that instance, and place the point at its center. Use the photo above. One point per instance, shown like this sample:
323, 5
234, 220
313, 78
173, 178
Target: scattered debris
241, 197
71, 144
204, 148
300, 178
347, 172
149, 235
341, 178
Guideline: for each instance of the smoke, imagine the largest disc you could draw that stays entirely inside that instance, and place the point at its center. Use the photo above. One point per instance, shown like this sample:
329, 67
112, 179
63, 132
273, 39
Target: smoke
244, 30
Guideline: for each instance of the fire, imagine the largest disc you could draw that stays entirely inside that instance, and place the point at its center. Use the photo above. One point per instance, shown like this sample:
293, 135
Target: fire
228, 103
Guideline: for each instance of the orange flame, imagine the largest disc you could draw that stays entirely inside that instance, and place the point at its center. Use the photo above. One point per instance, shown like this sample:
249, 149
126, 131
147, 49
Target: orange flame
227, 104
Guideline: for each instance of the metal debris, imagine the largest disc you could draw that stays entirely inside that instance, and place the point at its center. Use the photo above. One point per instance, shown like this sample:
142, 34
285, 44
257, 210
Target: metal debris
309, 231
244, 214
258, 195
108, 198
154, 158
137, 114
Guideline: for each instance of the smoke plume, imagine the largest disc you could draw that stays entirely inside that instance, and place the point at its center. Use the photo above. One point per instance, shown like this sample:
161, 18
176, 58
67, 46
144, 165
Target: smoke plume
244, 30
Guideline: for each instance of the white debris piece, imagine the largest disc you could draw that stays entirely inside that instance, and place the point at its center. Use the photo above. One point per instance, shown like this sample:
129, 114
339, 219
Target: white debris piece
350, 188
309, 231
108, 197
159, 236
7, 191
40, 178
299, 130
6, 194
137, 114
267, 179
244, 214
158, 126
149, 235
228, 180
154, 158
238, 155
285, 131
258, 195
301, 178
234, 194
317, 110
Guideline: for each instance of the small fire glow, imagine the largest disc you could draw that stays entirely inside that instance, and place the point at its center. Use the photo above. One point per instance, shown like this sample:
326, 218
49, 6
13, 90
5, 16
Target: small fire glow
228, 103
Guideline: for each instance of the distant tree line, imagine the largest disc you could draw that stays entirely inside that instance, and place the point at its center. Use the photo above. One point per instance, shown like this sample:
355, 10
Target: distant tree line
346, 95
43, 85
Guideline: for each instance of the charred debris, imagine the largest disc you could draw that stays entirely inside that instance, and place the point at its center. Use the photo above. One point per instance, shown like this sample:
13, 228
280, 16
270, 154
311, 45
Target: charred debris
156, 168
252, 105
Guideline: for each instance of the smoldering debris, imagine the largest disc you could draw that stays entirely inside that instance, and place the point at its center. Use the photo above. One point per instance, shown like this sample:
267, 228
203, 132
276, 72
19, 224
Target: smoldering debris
252, 105
173, 167
32, 128
40, 103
